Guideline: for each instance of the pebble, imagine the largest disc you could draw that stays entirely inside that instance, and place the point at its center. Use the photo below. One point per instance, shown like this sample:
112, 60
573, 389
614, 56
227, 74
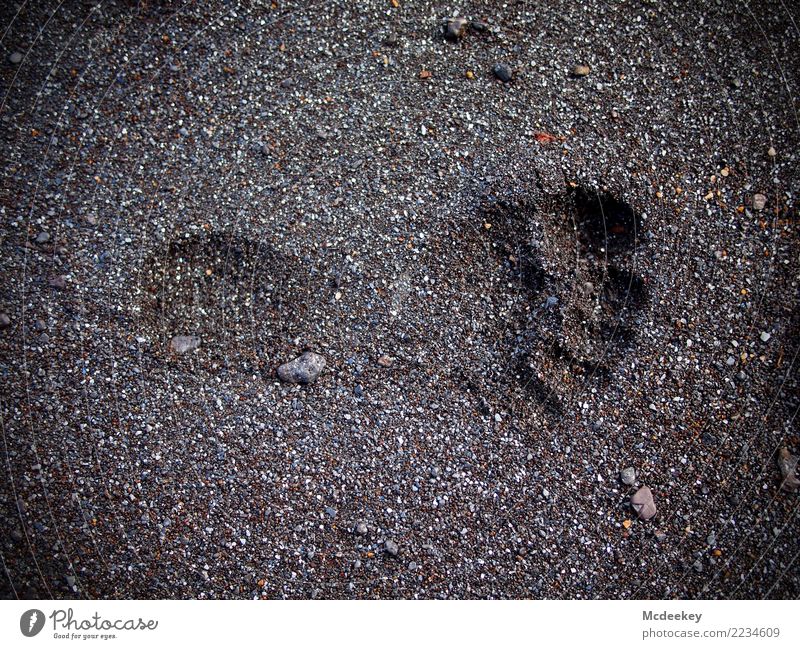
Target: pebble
15, 57
5, 321
358, 390
643, 504
628, 476
660, 535
581, 70
385, 361
184, 344
455, 28
765, 336
771, 152
787, 463
361, 529
392, 548
42, 237
759, 202
502, 72
59, 282
304, 369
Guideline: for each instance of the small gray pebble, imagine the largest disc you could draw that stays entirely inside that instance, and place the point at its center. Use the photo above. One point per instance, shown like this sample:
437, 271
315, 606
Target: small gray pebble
628, 475
15, 58
304, 369
392, 548
184, 344
361, 529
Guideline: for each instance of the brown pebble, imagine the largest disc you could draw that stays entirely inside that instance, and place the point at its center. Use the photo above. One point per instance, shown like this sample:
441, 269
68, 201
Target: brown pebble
643, 504
787, 463
385, 361
581, 70
59, 282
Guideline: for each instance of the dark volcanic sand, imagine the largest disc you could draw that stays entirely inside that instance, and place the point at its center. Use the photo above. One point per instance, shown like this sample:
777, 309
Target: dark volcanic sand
567, 273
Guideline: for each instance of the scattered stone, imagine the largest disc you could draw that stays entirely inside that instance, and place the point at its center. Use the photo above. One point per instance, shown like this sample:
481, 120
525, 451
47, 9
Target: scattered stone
787, 463
15, 58
287, 83
502, 72
759, 202
385, 361
71, 582
392, 548
304, 369
184, 344
358, 391
455, 28
58, 282
5, 321
771, 152
765, 336
479, 26
698, 566
660, 535
581, 71
42, 237
628, 476
643, 504
361, 529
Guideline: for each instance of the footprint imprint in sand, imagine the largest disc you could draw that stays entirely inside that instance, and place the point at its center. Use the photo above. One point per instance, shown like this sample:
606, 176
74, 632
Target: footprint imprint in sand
238, 296
574, 257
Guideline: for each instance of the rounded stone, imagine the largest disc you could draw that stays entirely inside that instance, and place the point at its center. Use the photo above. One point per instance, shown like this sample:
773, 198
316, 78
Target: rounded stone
304, 369
184, 344
502, 72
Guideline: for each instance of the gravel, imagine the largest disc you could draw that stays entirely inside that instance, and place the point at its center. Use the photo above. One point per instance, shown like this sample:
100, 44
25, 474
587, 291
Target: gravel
275, 180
